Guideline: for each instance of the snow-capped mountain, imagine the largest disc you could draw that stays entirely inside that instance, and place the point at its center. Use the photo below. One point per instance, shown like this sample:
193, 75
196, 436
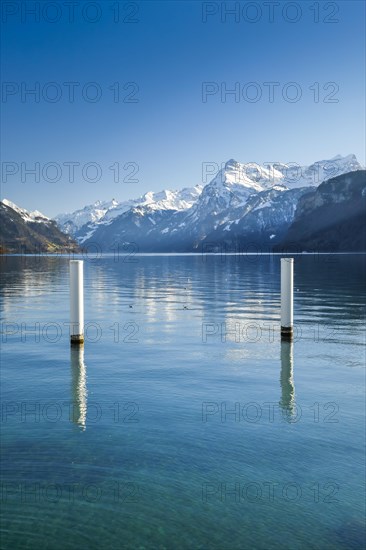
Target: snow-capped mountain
72, 222
83, 223
236, 181
27, 216
24, 232
294, 176
171, 200
241, 200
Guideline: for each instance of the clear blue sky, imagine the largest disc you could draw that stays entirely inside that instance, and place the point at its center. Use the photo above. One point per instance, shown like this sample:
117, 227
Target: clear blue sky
169, 52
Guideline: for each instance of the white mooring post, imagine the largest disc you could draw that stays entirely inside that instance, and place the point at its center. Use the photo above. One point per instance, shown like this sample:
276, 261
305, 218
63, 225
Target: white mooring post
76, 302
287, 298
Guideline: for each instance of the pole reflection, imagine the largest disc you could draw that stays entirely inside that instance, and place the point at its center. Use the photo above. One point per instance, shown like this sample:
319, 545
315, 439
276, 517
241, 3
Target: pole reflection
287, 402
78, 386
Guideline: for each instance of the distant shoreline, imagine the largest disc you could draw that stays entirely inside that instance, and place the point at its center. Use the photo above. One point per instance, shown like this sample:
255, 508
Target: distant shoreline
111, 254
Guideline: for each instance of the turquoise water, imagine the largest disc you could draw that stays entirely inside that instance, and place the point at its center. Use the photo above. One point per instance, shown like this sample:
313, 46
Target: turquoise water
184, 422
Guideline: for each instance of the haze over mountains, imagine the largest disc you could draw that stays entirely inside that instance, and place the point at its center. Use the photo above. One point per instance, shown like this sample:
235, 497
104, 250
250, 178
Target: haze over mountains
243, 207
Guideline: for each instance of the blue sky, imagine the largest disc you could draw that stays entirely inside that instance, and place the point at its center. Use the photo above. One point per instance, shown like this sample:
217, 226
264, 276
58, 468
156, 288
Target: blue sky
167, 54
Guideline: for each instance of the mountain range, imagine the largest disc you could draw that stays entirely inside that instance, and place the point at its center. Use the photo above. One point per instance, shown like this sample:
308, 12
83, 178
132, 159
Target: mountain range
244, 207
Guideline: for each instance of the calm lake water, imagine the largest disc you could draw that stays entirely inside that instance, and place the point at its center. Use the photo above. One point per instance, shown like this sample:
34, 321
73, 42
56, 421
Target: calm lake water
184, 422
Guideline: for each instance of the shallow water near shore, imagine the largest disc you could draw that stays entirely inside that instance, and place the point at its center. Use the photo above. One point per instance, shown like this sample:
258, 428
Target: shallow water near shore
183, 422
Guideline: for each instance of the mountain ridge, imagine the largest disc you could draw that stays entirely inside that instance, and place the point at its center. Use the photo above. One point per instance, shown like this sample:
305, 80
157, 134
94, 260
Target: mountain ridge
241, 200
24, 232
242, 205
332, 218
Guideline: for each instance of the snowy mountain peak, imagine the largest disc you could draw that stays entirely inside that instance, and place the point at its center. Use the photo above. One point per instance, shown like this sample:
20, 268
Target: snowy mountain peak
104, 212
231, 188
235, 182
92, 213
171, 200
291, 175
27, 216
231, 164
350, 157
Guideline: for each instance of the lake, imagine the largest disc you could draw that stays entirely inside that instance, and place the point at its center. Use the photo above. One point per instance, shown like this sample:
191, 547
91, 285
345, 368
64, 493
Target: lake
183, 422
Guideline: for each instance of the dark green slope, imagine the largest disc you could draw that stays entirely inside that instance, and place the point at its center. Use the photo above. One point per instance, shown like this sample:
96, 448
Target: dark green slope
18, 236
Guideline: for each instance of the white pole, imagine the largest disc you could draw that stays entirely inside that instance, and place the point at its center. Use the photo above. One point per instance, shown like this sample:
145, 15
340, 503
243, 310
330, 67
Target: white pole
76, 302
287, 297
